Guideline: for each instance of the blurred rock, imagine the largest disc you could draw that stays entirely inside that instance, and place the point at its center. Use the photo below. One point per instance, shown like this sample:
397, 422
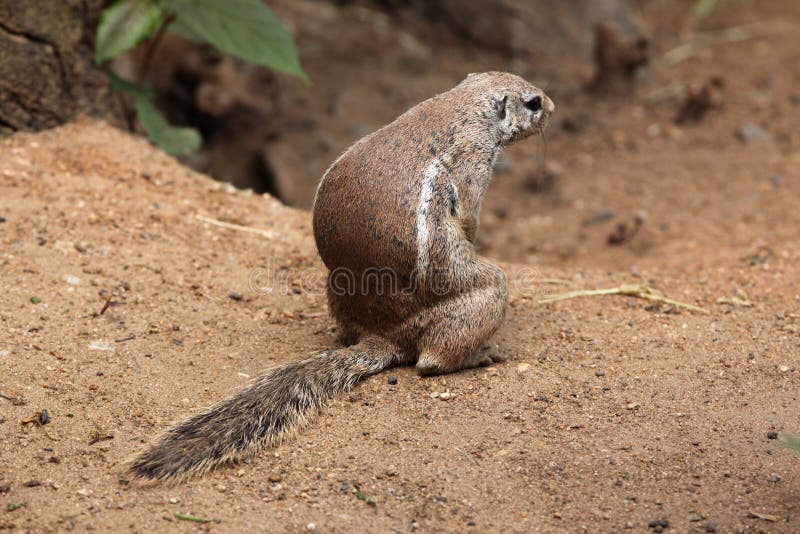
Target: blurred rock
750, 132
699, 100
617, 58
527, 26
599, 217
237, 106
47, 72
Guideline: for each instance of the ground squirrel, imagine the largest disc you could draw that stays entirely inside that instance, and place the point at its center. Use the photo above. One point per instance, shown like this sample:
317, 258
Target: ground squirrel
395, 219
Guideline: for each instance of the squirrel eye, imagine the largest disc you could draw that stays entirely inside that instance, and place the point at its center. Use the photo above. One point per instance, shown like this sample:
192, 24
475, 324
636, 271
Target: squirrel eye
534, 104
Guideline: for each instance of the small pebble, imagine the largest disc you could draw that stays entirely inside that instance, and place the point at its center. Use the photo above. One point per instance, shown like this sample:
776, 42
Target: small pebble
711, 527
772, 435
599, 217
44, 417
221, 488
311, 527
599, 372
392, 380
774, 477
632, 406
72, 280
101, 345
658, 525
174, 500
521, 368
275, 477
446, 396
749, 132
83, 492
391, 471
784, 368
233, 295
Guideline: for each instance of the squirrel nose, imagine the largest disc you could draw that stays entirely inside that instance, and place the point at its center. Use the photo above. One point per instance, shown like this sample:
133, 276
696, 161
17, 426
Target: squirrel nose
549, 107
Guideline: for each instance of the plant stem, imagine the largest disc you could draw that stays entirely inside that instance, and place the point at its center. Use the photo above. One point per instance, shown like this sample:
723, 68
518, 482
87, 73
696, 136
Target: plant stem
187, 517
144, 66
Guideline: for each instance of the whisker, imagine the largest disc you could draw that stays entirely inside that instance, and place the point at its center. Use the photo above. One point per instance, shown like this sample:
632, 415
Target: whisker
543, 153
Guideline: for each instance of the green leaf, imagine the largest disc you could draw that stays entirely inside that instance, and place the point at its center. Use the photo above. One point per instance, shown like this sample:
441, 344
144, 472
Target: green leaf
174, 140
179, 28
124, 25
244, 28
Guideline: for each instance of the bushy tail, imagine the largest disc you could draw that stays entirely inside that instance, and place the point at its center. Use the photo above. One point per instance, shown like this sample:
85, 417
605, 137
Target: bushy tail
271, 407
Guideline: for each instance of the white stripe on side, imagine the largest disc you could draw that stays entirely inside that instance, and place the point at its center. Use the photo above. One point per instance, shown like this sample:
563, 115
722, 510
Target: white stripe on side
423, 209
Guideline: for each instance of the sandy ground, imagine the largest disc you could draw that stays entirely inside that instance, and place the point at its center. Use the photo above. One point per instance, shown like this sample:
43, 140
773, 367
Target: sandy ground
609, 414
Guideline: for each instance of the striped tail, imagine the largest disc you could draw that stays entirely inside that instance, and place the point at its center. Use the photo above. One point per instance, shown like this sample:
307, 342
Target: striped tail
273, 406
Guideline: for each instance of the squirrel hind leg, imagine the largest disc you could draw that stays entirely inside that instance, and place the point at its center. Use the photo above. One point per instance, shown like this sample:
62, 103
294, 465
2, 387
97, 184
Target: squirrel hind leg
482, 357
346, 333
457, 328
340, 308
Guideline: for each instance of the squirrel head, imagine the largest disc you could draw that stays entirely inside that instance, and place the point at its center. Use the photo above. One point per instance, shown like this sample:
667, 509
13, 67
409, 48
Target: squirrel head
510, 107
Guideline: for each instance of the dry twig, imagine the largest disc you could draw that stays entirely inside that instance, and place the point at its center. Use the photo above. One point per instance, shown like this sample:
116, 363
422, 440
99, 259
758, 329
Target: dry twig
642, 292
739, 299
238, 227
40, 419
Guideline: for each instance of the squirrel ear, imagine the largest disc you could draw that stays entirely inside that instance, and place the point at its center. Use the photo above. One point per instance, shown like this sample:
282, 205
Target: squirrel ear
500, 106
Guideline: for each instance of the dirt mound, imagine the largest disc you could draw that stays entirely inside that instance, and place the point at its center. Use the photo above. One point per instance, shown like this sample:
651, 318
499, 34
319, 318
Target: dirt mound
129, 301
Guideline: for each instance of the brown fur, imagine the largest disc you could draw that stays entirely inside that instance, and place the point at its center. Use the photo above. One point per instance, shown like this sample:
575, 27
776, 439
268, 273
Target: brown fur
395, 219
